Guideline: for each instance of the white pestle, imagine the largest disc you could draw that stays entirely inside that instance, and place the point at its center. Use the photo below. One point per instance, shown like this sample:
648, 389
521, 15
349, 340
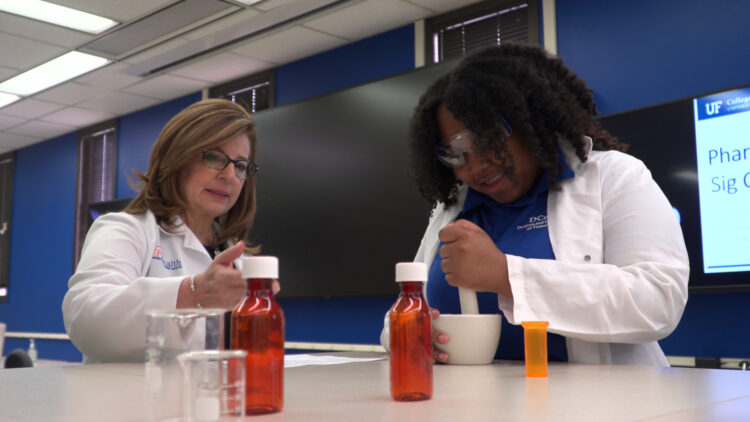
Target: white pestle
468, 298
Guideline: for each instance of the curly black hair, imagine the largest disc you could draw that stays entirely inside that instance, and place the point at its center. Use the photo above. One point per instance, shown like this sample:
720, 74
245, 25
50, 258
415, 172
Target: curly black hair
539, 96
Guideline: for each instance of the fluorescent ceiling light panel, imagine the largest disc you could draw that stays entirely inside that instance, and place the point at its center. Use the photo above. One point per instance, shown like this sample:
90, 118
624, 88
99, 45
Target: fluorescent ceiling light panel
58, 15
55, 71
6, 99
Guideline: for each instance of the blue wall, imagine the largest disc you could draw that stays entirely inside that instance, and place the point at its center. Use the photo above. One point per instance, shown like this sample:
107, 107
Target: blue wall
632, 54
644, 52
41, 253
364, 61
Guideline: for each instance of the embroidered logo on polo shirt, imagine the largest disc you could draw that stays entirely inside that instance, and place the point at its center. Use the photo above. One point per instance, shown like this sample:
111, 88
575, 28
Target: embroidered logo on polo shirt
535, 222
174, 264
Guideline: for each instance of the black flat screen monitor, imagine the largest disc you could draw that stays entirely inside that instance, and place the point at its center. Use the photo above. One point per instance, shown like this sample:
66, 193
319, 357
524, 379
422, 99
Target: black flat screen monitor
698, 151
336, 202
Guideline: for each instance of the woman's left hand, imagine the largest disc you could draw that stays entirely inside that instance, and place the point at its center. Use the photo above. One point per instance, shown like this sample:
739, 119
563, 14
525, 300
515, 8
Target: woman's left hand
472, 260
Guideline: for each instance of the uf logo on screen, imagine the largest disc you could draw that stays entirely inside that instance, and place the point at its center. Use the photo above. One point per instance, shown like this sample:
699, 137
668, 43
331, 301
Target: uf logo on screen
713, 107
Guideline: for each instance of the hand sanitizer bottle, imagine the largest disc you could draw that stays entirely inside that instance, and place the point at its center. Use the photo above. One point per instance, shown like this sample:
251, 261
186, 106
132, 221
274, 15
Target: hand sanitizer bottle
32, 350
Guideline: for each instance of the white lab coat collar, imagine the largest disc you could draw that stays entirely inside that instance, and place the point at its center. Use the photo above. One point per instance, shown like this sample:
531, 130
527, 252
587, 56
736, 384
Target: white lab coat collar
569, 153
190, 240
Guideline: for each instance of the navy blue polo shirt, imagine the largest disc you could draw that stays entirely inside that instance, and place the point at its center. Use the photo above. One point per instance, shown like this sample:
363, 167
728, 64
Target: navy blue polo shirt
517, 228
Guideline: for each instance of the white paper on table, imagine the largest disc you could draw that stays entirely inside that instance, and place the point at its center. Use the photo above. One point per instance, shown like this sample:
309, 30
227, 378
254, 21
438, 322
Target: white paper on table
292, 361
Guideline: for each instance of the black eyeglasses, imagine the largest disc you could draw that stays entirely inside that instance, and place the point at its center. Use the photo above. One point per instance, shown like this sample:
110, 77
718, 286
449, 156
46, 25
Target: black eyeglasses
219, 160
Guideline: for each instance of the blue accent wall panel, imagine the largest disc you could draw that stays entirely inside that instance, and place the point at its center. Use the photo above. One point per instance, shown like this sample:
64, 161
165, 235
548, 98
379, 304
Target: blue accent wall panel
372, 58
41, 245
639, 53
713, 325
137, 133
336, 320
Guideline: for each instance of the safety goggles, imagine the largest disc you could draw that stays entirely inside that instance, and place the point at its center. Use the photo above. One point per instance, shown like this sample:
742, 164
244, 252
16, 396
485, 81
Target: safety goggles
453, 153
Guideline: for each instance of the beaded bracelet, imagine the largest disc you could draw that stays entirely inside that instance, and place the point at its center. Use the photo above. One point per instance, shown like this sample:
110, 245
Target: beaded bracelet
192, 287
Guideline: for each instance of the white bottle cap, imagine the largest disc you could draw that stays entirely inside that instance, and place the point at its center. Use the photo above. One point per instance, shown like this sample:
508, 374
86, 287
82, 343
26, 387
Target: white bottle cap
411, 271
260, 267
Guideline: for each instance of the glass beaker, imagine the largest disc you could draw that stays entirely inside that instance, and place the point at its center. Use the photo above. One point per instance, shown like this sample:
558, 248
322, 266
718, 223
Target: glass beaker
170, 333
214, 385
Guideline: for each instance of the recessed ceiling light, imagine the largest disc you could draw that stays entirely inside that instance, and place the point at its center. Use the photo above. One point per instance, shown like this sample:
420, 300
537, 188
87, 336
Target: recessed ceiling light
58, 15
55, 71
6, 99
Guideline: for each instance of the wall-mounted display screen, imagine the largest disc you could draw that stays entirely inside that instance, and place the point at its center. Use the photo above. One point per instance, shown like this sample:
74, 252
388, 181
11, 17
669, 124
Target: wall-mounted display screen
698, 150
336, 202
722, 139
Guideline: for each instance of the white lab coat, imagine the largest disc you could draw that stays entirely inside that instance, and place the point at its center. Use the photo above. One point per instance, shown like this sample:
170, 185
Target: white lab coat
129, 265
618, 282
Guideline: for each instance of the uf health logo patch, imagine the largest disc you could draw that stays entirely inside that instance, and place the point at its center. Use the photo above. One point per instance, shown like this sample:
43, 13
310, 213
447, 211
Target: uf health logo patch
174, 264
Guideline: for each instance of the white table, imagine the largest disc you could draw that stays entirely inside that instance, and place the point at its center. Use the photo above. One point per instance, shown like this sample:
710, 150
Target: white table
360, 392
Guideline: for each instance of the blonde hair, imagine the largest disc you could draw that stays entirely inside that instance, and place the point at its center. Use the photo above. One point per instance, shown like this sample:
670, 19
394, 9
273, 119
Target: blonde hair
201, 126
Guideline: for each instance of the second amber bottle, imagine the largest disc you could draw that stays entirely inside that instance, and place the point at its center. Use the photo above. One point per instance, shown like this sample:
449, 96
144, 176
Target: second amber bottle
411, 336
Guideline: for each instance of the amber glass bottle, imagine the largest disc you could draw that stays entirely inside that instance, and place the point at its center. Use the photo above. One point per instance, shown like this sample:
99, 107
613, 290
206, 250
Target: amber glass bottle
258, 328
411, 336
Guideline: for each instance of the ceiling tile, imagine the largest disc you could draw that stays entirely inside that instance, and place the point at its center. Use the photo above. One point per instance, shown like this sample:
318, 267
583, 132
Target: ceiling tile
110, 77
156, 51
220, 25
6, 72
166, 87
41, 31
30, 108
9, 140
289, 44
70, 93
221, 68
21, 53
10, 121
118, 103
40, 129
367, 18
77, 117
271, 4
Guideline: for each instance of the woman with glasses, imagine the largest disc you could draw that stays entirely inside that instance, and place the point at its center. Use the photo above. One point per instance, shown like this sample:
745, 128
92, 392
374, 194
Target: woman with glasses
175, 244
538, 210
